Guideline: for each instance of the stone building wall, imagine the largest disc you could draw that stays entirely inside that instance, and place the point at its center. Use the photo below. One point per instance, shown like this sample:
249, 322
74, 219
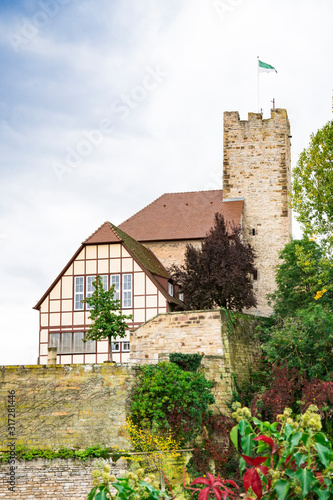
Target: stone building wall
256, 167
185, 331
53, 480
227, 343
171, 252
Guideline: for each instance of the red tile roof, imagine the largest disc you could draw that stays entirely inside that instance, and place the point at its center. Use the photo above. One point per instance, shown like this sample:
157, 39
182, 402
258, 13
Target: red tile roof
104, 234
109, 233
181, 216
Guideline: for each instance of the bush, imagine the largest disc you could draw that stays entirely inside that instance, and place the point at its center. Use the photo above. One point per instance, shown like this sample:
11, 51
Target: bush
304, 342
172, 398
187, 362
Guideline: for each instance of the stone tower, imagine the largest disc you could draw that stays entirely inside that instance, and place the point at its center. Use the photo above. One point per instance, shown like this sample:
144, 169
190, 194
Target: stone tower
256, 167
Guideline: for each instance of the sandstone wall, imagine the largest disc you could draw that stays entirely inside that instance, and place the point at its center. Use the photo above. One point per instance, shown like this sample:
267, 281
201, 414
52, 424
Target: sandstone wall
187, 332
77, 406
227, 341
256, 166
54, 480
171, 252
66, 405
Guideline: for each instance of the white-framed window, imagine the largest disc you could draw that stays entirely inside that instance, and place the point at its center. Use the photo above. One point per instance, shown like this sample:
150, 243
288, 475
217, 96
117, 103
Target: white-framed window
105, 280
90, 346
71, 343
125, 346
90, 287
83, 287
66, 342
78, 292
115, 346
78, 344
115, 280
54, 340
170, 289
127, 291
181, 296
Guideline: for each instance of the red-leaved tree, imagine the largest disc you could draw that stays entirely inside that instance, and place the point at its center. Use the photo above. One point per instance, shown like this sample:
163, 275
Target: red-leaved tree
220, 273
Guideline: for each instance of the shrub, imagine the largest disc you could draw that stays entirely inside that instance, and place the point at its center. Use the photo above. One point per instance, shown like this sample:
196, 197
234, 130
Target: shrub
172, 398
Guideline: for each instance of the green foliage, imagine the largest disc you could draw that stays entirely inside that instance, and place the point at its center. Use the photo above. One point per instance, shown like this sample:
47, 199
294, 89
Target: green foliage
187, 362
303, 273
230, 319
107, 320
171, 398
213, 451
256, 383
304, 341
26, 453
312, 190
130, 487
290, 458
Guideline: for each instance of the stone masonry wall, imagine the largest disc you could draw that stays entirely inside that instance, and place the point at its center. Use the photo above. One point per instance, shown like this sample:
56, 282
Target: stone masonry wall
66, 405
77, 406
187, 332
171, 252
227, 342
256, 167
53, 480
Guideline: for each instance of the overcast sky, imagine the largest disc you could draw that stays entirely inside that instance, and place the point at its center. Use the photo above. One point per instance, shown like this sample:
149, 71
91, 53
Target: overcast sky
107, 104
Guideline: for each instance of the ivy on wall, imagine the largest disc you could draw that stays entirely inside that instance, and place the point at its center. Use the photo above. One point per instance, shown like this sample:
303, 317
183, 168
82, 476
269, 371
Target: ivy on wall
187, 362
26, 453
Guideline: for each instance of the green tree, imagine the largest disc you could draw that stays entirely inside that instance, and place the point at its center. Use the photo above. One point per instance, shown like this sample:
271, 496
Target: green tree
220, 272
303, 277
107, 320
304, 341
312, 189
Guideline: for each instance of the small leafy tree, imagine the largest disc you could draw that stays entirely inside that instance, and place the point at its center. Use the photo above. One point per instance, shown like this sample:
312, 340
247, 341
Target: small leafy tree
220, 272
107, 320
312, 190
304, 341
303, 277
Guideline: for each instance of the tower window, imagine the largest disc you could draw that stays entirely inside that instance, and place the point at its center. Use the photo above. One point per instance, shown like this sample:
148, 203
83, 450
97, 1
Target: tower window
253, 232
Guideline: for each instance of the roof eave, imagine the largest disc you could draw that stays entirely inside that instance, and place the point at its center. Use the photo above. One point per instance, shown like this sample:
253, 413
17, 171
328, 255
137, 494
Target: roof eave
39, 303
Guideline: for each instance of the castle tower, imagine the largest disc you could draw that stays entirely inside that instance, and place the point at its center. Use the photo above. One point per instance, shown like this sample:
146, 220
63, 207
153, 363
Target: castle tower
256, 167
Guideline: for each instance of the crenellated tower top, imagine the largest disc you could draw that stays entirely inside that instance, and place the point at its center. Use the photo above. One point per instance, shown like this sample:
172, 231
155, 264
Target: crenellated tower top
256, 167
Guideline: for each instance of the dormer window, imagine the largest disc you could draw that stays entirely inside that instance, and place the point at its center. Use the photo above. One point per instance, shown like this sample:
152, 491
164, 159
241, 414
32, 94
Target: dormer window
170, 289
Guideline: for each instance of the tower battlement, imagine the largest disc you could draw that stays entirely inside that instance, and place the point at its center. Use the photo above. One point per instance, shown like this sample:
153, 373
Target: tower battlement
256, 166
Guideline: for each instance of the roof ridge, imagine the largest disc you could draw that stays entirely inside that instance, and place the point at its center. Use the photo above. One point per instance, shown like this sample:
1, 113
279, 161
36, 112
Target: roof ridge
199, 191
142, 209
98, 229
171, 192
149, 264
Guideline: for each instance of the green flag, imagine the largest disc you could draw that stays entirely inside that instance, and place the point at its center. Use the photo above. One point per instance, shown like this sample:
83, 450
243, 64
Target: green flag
265, 68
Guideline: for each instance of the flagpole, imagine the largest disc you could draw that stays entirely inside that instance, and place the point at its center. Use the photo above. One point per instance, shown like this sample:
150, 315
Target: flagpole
258, 84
